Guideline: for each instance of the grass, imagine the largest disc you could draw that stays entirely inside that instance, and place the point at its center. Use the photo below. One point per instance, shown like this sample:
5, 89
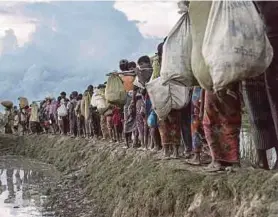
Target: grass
128, 183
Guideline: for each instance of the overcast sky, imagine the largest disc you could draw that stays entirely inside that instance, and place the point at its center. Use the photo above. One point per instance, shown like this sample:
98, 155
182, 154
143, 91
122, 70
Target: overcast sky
47, 47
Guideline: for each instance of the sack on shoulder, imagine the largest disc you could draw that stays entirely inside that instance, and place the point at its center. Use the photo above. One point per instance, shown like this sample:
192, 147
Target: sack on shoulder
235, 45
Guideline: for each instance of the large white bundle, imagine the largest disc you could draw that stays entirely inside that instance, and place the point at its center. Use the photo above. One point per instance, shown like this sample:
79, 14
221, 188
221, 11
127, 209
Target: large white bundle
98, 100
62, 110
199, 12
176, 64
235, 45
167, 96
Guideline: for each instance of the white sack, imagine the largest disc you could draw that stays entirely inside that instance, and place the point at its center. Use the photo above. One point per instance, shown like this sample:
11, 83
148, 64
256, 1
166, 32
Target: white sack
199, 12
167, 96
62, 110
176, 57
98, 100
235, 45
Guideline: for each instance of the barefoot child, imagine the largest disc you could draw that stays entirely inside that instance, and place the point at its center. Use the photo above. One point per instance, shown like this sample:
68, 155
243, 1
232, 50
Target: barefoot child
117, 121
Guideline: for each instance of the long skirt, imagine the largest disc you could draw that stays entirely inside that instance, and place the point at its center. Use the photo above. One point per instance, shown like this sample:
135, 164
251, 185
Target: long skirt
258, 108
197, 131
170, 129
222, 122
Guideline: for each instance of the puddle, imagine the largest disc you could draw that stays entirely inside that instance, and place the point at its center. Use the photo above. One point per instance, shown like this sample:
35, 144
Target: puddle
25, 187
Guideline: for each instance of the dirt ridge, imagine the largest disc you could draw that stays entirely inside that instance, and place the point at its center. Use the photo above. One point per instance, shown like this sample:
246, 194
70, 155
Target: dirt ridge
106, 180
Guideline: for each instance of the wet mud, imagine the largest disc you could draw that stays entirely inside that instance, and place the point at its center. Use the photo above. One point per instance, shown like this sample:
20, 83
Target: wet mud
25, 186
99, 179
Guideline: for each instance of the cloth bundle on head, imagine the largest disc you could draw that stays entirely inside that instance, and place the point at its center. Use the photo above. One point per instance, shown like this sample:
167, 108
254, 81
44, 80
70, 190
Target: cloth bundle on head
7, 104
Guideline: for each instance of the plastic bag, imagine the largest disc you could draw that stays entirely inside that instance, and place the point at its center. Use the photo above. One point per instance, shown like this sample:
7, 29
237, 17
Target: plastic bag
199, 12
115, 92
7, 104
152, 120
176, 64
167, 96
62, 110
235, 45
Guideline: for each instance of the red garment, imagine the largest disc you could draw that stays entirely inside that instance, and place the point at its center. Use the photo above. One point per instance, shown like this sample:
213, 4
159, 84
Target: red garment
116, 117
222, 122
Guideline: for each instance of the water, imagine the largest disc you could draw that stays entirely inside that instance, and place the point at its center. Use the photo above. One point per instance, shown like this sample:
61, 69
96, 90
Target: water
25, 186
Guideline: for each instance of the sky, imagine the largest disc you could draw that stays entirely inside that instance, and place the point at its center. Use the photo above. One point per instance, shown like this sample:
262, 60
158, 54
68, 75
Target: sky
47, 47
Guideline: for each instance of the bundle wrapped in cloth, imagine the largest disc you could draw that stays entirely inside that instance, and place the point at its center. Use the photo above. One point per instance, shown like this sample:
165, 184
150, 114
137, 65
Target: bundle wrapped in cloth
176, 64
115, 92
235, 45
167, 96
7, 104
199, 12
98, 100
228, 45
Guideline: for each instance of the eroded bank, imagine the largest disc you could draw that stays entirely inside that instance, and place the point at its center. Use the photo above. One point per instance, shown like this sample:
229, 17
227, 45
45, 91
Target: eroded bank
106, 180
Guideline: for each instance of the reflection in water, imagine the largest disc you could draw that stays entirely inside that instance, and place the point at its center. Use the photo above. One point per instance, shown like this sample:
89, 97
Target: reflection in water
21, 191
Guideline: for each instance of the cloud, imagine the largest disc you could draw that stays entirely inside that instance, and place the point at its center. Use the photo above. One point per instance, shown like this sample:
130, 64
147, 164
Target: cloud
70, 45
9, 42
154, 19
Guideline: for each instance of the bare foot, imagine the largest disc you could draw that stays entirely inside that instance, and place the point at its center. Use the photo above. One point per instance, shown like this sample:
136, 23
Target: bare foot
195, 161
187, 155
214, 166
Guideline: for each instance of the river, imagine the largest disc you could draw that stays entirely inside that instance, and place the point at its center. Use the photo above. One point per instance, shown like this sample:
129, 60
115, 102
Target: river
25, 187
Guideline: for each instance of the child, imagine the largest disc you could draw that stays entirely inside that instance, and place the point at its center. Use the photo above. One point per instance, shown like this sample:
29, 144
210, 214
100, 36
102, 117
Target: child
109, 123
117, 121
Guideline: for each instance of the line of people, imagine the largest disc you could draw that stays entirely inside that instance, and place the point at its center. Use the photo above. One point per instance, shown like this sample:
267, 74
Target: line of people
208, 126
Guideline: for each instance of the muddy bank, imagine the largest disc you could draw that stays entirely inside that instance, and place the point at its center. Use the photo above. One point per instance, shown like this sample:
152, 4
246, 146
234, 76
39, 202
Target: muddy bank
105, 180
25, 186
